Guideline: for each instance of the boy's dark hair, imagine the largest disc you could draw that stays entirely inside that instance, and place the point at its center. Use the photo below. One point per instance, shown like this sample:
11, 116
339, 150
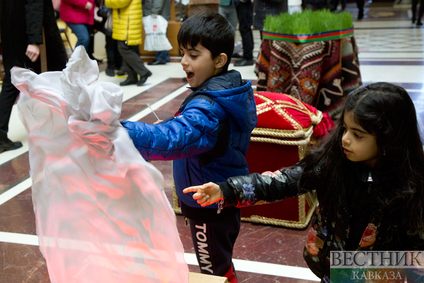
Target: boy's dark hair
212, 31
387, 111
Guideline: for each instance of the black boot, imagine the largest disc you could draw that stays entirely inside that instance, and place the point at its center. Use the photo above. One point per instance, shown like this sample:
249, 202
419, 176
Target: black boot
9, 145
143, 79
128, 82
110, 72
121, 71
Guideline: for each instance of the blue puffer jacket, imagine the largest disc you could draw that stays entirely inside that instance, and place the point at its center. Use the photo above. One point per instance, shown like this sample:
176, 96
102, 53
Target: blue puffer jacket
208, 137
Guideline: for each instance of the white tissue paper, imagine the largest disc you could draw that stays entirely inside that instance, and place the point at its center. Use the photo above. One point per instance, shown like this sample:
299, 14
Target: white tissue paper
101, 212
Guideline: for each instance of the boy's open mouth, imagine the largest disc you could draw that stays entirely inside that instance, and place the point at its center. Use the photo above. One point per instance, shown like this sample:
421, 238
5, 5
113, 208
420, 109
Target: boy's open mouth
190, 75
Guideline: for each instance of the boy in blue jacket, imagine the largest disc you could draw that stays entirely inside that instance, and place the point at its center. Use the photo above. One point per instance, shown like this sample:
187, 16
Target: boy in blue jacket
208, 137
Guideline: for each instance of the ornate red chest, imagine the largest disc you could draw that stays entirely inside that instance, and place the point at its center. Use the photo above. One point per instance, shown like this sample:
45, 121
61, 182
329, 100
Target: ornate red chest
286, 127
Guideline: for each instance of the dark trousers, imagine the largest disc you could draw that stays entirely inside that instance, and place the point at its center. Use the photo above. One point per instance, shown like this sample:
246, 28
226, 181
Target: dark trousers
335, 3
360, 4
114, 58
8, 96
414, 10
245, 18
214, 238
163, 56
132, 62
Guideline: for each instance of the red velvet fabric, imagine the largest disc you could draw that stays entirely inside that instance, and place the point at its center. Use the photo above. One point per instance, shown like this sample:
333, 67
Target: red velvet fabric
278, 111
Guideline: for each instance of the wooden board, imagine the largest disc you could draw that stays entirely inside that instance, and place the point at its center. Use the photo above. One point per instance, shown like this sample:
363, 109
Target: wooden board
204, 278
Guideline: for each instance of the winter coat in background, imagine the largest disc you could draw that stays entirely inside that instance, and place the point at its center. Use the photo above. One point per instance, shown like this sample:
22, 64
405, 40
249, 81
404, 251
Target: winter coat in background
74, 11
127, 20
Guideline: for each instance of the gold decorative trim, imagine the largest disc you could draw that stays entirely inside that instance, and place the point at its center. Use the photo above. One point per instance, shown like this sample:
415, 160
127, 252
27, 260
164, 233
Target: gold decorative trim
263, 110
312, 197
282, 142
302, 151
304, 133
301, 224
280, 105
302, 208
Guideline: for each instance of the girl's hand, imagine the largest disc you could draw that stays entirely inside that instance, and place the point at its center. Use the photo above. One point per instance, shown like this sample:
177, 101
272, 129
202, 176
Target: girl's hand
88, 6
205, 194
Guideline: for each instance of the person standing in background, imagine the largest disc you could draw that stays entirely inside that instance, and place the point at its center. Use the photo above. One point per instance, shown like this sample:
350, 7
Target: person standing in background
114, 58
202, 6
263, 8
227, 9
127, 19
245, 18
360, 4
315, 5
335, 3
22, 25
154, 8
79, 17
420, 12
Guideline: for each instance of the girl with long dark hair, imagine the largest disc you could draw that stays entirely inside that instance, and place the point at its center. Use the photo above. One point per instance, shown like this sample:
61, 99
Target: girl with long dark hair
368, 175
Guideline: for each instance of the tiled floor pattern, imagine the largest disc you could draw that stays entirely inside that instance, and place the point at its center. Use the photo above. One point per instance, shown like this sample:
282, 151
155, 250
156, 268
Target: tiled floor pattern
391, 49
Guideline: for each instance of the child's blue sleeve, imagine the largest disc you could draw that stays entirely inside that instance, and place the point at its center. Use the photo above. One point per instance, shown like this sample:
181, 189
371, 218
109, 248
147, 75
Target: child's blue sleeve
193, 132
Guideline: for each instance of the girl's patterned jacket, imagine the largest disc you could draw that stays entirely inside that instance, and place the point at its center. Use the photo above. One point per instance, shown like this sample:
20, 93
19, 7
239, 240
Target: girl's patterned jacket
326, 234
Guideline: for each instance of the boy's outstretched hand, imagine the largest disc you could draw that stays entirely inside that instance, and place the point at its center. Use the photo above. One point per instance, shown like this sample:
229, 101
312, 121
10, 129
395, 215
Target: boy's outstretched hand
205, 194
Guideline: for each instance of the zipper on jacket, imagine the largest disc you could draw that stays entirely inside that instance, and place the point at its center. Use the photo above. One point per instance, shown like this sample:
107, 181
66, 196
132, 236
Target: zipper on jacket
369, 180
188, 173
128, 29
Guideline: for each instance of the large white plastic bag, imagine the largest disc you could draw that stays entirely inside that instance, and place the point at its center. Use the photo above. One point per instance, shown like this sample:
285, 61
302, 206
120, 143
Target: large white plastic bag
155, 30
101, 213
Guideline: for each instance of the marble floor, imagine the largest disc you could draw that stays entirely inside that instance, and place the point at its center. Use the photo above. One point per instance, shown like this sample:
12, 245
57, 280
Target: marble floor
391, 50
